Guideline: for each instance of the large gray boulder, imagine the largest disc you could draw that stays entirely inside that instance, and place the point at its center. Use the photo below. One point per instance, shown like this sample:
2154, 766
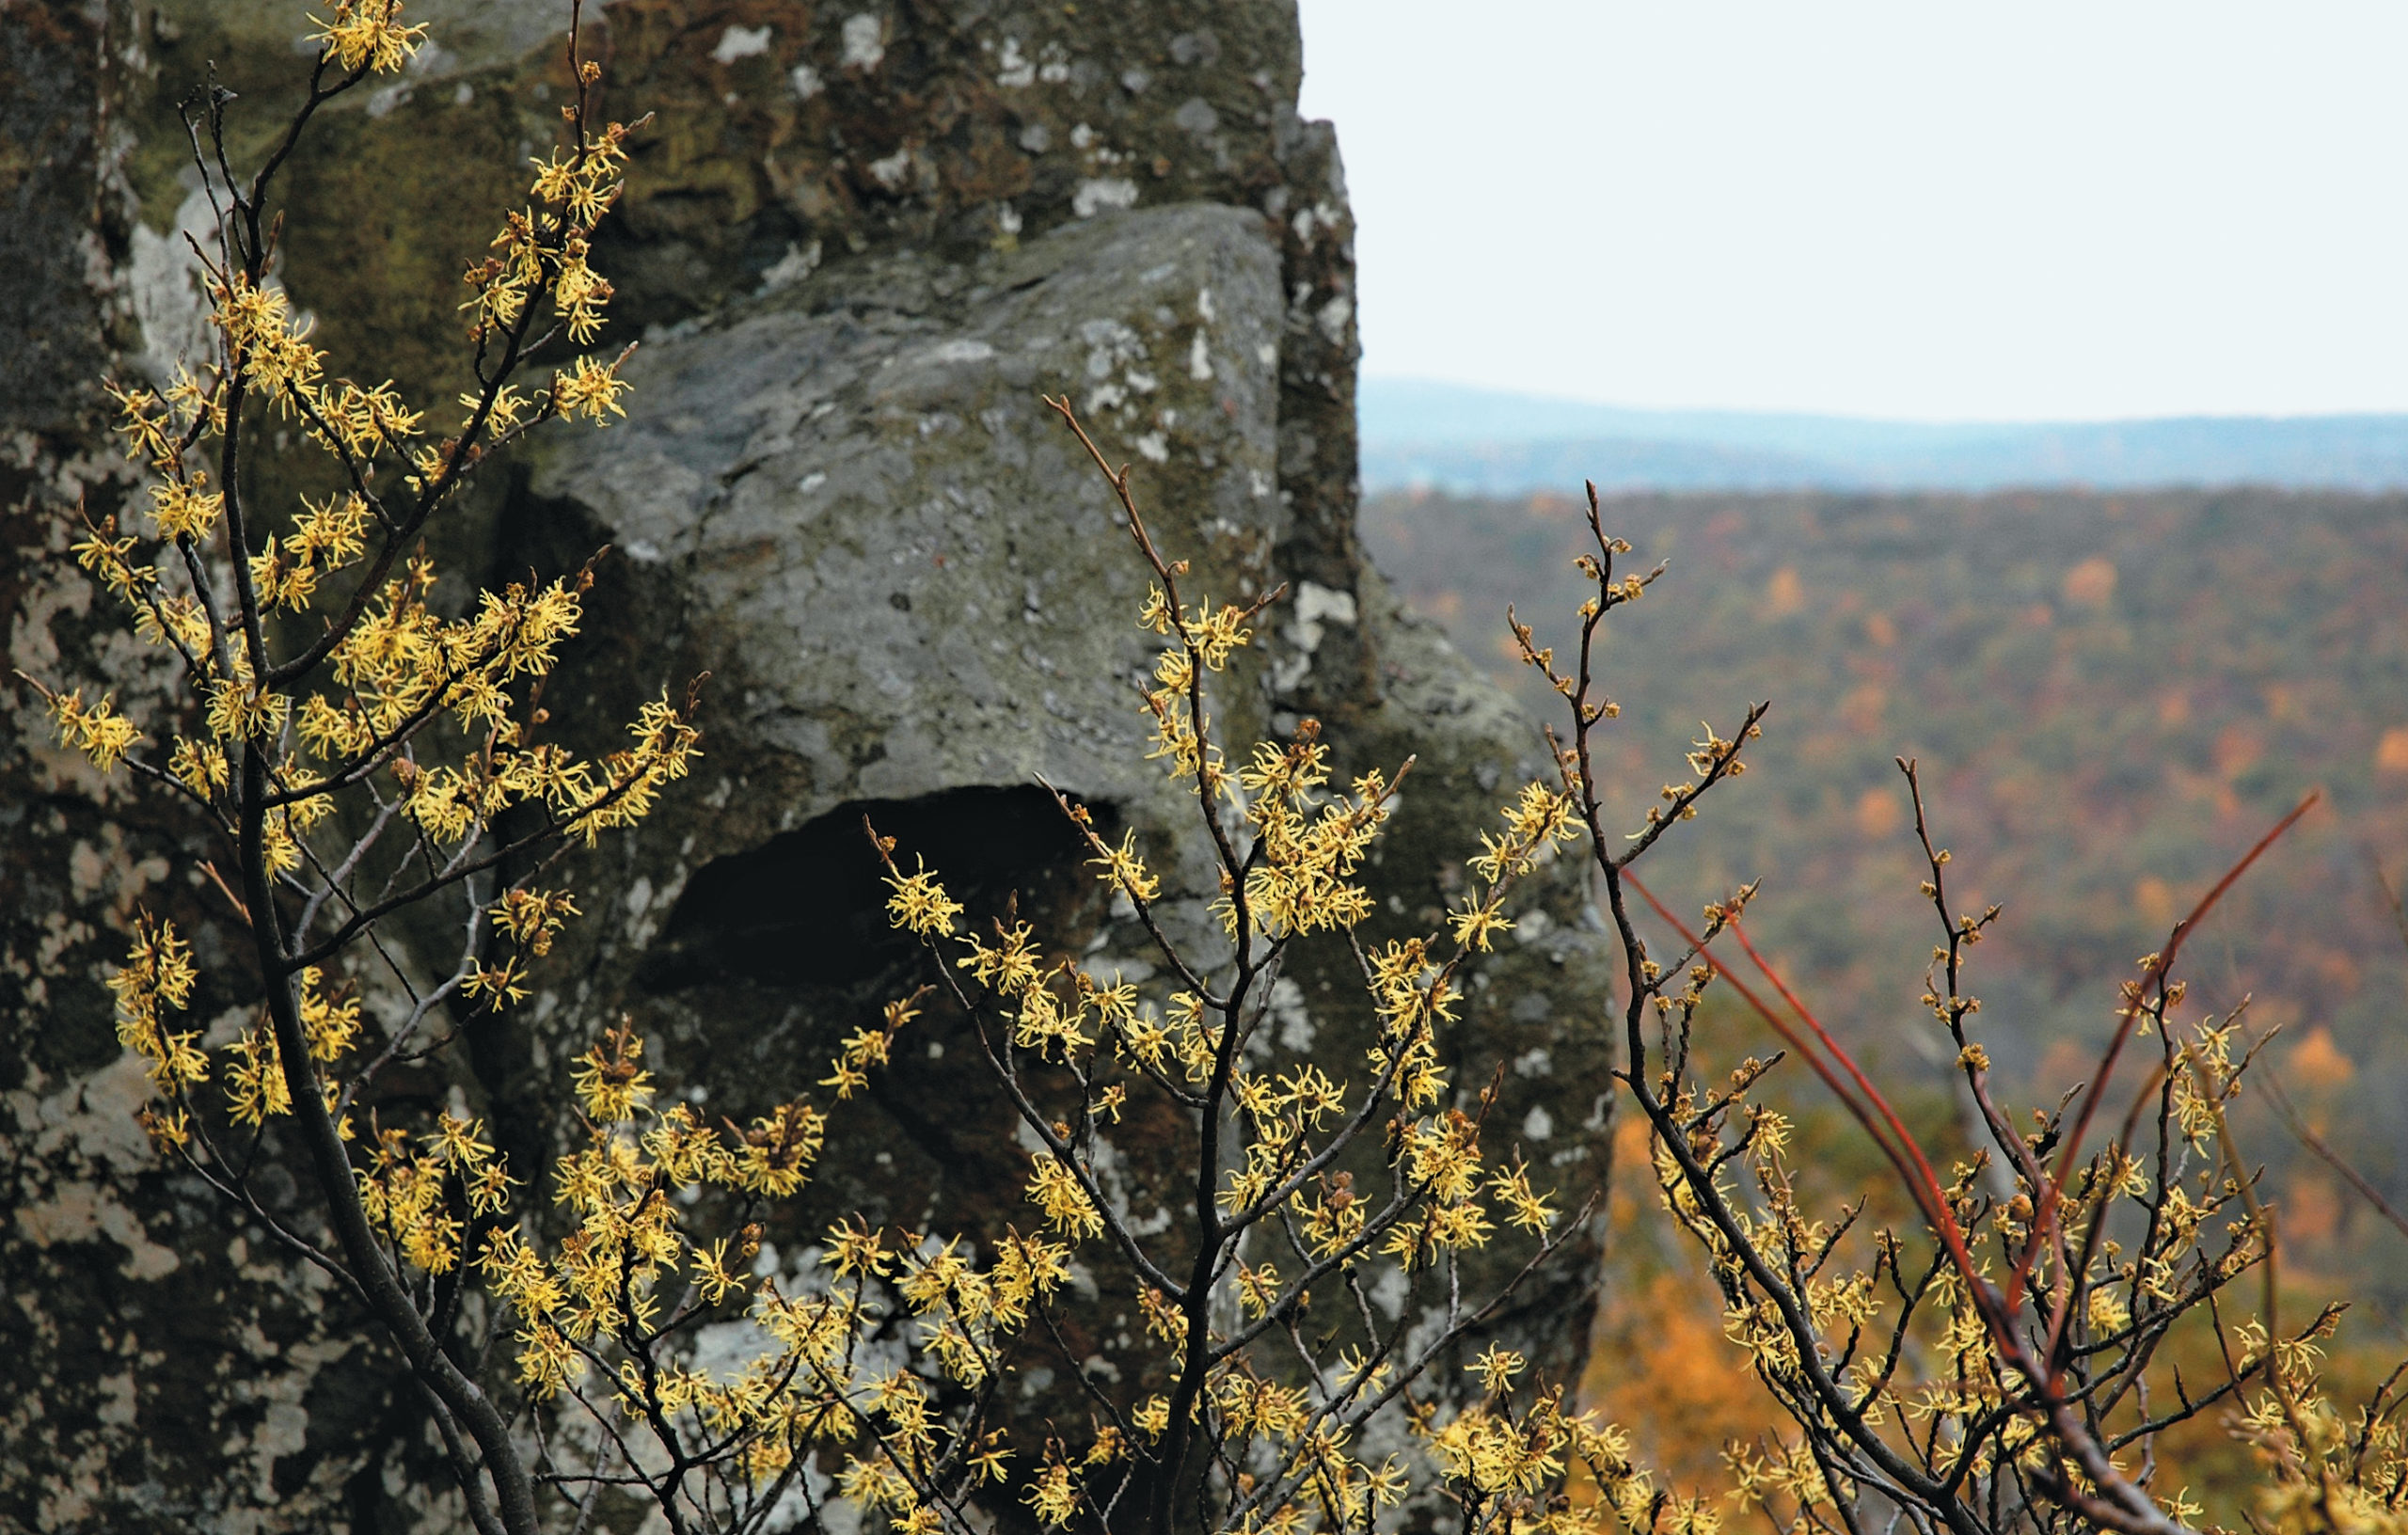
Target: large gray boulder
860, 244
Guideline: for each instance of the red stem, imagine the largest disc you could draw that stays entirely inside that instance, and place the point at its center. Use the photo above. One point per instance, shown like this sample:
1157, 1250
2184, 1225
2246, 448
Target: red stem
2159, 968
1918, 1177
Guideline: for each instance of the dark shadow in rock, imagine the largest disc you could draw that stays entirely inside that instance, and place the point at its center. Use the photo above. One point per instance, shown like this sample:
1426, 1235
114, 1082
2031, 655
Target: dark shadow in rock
808, 906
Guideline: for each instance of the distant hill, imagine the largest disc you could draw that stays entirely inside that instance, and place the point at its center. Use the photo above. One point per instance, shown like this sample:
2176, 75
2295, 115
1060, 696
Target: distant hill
1471, 441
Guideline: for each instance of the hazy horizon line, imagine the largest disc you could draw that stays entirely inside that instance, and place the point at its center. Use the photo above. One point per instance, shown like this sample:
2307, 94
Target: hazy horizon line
1503, 395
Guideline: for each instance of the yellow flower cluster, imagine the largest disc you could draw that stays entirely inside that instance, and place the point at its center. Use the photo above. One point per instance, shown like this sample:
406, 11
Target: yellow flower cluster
591, 390
612, 1290
548, 252
408, 1191
327, 539
1054, 1009
1206, 636
2203, 1080
158, 977
267, 347
2331, 1473
1307, 851
866, 1048
1538, 820
1442, 1157
605, 1282
1413, 995
106, 554
608, 1079
368, 34
1760, 1479
402, 664
964, 1313
532, 918
918, 904
256, 1090
1124, 866
396, 667
1509, 1465
97, 731
185, 508
1280, 1112
1054, 1189
330, 1022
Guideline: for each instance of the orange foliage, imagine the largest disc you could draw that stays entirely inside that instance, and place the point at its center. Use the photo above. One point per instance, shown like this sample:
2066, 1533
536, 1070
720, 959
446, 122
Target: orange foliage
2091, 583
2153, 899
1662, 1367
1878, 813
2391, 755
1784, 594
1658, 1360
2317, 1063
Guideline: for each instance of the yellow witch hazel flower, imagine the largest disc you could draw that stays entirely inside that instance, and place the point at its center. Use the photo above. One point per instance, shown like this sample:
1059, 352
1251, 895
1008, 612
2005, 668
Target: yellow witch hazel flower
1125, 868
1067, 1209
157, 977
590, 389
256, 1089
185, 508
919, 905
330, 1024
609, 1078
369, 34
97, 731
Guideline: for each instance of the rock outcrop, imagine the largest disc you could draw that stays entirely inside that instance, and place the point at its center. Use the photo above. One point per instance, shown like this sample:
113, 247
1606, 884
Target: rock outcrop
860, 244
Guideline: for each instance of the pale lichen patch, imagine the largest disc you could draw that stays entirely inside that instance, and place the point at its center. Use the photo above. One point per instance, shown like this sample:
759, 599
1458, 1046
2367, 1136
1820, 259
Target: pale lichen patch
864, 37
741, 42
80, 1212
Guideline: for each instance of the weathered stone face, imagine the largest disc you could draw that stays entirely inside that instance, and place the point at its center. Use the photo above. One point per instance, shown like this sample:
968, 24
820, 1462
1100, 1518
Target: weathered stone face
897, 562
860, 244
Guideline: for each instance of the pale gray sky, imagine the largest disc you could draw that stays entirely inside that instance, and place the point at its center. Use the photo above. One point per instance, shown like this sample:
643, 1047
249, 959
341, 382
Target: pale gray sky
1925, 208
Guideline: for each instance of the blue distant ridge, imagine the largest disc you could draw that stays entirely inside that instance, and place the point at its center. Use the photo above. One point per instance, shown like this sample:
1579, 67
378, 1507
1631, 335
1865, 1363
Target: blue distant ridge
1446, 436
